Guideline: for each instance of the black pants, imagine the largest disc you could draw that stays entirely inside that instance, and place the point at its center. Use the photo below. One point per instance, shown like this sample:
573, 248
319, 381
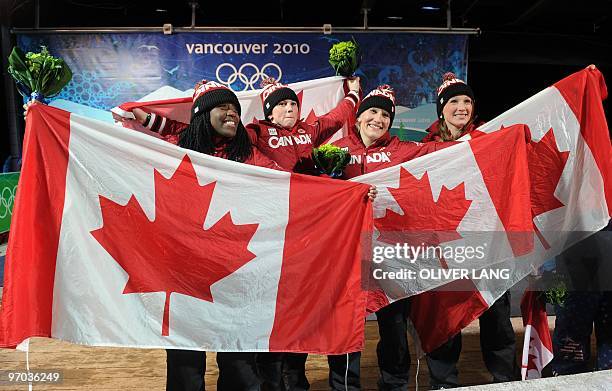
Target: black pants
287, 371
344, 371
497, 342
392, 349
283, 371
186, 368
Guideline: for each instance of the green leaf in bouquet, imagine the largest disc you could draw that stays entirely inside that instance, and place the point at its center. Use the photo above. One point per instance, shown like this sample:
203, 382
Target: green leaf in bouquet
319, 160
63, 75
39, 72
18, 68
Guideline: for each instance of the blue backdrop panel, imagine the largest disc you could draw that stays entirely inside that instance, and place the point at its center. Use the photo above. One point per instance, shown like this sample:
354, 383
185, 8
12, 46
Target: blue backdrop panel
113, 68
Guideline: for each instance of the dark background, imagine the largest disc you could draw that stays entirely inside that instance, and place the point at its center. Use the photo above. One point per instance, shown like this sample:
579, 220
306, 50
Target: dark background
523, 46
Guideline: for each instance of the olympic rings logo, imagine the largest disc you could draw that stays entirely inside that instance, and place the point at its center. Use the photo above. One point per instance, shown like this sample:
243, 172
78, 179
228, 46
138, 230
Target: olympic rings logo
7, 197
248, 74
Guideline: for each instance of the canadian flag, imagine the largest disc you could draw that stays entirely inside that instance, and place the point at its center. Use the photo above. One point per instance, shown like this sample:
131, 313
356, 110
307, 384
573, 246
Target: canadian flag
516, 197
537, 345
317, 97
120, 239
524, 198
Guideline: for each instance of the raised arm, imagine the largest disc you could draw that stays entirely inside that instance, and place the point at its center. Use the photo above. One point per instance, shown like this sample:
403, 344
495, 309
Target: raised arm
330, 123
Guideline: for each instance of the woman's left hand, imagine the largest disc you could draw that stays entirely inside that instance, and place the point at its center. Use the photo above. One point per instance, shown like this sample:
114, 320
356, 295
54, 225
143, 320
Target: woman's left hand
353, 84
372, 193
26, 107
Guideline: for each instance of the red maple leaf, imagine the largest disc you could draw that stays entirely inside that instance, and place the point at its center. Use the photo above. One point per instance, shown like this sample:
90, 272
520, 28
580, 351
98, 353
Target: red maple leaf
424, 221
546, 164
174, 253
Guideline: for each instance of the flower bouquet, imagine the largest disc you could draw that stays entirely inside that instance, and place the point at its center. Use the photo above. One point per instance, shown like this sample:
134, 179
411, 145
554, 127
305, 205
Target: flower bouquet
330, 160
38, 75
345, 57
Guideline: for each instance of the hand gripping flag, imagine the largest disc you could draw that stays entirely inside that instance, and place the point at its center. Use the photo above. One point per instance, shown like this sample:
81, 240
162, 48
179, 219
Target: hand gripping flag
120, 239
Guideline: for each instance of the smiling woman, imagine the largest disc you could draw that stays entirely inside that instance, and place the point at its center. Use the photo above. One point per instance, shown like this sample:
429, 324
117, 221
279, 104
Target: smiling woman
457, 114
215, 129
225, 119
455, 105
372, 148
375, 115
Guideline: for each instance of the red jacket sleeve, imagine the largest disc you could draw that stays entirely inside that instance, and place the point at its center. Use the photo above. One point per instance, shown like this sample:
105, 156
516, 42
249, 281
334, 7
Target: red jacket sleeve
165, 126
330, 123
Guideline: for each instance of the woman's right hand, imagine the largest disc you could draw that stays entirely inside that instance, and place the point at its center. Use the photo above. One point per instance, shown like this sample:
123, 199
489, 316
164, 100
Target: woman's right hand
118, 118
139, 115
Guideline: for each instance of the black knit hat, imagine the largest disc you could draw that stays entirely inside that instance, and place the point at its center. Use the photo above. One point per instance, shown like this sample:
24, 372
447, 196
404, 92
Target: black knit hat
274, 92
209, 94
451, 86
382, 97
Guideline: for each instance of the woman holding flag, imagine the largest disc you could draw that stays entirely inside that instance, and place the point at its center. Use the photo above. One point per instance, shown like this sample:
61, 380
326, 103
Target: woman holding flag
215, 129
456, 119
365, 143
288, 140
